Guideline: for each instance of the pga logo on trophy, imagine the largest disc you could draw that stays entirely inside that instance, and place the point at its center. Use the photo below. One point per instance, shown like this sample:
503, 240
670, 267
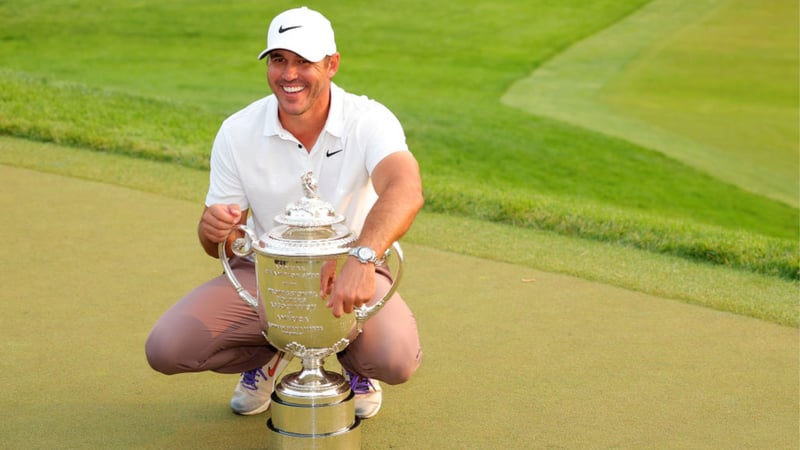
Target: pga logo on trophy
295, 261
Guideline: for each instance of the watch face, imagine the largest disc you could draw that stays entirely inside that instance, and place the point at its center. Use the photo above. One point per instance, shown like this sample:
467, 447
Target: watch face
365, 253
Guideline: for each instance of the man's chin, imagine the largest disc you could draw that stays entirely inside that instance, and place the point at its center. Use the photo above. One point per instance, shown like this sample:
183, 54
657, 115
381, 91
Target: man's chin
292, 108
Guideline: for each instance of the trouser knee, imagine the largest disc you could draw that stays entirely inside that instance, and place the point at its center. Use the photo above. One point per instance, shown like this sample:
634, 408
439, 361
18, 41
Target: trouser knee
388, 368
157, 357
400, 373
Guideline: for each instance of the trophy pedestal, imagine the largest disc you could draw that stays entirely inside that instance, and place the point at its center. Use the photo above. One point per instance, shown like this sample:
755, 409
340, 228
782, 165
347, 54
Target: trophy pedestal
313, 410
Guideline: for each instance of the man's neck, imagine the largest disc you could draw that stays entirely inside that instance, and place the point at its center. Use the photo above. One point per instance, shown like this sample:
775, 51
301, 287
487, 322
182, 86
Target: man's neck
307, 126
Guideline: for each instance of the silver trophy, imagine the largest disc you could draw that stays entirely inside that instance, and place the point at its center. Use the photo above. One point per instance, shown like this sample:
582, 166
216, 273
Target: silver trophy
295, 261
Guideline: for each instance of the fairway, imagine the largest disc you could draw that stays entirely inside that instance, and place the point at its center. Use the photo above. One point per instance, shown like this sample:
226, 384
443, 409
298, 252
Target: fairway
710, 83
526, 360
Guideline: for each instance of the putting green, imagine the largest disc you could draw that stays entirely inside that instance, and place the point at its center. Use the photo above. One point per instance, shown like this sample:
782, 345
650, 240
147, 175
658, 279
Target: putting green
711, 83
514, 358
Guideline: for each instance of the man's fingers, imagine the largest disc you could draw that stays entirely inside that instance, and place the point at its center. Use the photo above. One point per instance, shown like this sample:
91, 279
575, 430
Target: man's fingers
219, 221
235, 213
337, 309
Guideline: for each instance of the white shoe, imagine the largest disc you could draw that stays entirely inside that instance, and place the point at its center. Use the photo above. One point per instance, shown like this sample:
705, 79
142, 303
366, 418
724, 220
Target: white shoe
368, 393
254, 391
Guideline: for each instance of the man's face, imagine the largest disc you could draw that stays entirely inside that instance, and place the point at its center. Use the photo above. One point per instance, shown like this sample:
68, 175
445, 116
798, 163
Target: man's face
300, 85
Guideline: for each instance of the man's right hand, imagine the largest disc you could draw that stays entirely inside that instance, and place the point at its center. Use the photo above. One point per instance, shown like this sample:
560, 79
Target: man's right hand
216, 224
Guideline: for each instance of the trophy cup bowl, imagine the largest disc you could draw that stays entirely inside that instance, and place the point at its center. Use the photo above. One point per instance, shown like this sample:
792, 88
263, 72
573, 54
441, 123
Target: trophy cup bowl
295, 262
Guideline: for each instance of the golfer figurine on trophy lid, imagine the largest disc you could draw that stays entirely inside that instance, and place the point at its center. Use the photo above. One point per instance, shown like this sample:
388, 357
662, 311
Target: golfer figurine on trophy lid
312, 408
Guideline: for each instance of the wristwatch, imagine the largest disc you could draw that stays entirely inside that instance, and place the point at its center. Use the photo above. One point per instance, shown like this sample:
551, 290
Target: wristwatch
364, 254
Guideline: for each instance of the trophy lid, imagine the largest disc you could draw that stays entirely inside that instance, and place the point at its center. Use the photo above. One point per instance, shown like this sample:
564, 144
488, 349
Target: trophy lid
308, 227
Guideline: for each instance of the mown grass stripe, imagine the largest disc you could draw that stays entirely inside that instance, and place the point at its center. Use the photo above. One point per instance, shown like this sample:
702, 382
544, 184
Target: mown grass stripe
655, 79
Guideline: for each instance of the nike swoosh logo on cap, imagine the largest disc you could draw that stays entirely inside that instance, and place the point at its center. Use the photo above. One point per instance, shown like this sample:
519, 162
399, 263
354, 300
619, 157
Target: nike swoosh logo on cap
331, 153
281, 30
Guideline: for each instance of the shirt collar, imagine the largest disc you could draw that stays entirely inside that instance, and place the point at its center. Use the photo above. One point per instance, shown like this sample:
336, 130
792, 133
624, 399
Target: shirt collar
334, 125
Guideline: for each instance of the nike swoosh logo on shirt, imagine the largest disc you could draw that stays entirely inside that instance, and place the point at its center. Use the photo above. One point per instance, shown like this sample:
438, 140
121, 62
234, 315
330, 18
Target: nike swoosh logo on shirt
331, 153
282, 30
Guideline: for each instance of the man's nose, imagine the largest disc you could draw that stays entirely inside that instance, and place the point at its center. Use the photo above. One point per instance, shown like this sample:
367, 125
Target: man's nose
290, 71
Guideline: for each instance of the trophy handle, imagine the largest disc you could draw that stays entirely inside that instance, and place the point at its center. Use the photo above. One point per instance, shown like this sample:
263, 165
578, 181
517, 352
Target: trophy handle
241, 247
364, 312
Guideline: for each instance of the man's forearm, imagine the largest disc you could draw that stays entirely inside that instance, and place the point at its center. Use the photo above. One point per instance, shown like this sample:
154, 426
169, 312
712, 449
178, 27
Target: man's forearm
211, 248
397, 182
391, 217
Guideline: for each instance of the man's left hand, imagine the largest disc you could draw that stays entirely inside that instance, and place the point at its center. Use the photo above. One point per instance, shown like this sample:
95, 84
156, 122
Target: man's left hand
354, 287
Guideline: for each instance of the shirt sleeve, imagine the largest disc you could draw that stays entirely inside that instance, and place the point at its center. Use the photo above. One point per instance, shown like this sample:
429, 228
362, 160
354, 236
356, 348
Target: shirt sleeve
383, 135
225, 183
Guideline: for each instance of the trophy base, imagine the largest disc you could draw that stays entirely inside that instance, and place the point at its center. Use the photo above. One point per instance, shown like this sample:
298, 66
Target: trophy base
347, 439
317, 415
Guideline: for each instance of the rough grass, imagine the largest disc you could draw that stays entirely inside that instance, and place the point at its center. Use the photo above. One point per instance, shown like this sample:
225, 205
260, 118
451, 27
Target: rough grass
74, 114
606, 223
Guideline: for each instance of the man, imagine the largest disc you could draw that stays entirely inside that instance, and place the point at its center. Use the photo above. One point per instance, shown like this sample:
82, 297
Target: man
357, 151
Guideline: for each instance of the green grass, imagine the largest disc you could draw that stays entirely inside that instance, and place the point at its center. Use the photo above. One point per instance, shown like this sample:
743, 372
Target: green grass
603, 367
104, 120
154, 80
728, 82
710, 83
604, 223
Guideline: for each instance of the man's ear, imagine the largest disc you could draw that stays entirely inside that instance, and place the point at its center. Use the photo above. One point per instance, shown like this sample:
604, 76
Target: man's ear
333, 64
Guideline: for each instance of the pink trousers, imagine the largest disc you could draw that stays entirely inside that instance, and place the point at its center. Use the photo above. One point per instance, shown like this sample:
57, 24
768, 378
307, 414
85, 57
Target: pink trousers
211, 328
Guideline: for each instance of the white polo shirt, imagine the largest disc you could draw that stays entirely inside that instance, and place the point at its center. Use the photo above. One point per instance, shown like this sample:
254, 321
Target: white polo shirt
257, 164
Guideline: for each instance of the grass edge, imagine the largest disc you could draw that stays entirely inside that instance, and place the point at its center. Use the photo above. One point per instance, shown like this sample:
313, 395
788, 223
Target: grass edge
735, 291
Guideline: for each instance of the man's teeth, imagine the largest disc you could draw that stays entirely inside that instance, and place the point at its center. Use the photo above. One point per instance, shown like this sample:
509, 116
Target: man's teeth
292, 89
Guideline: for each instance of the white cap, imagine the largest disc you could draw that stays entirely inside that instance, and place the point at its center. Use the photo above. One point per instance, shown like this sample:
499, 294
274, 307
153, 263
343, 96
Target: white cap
302, 31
